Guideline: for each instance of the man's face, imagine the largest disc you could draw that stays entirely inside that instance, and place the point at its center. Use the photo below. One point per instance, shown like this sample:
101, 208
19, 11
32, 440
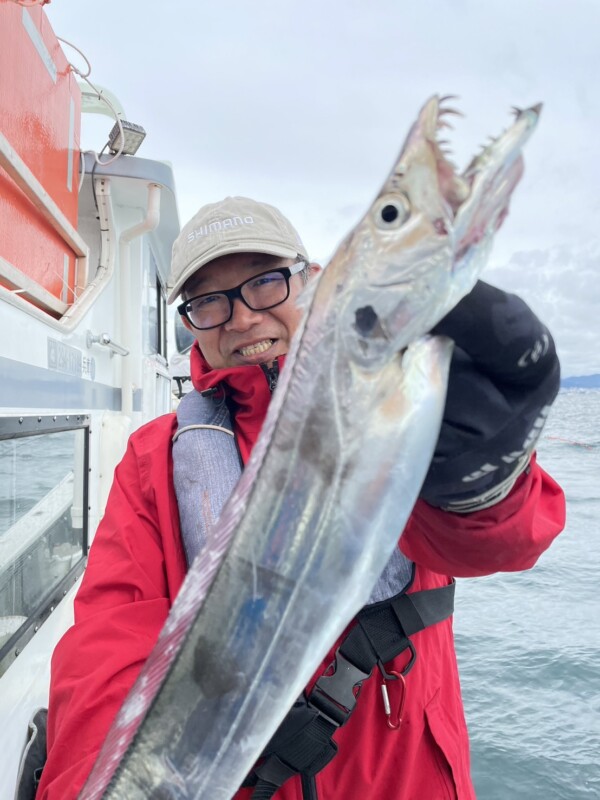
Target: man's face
250, 337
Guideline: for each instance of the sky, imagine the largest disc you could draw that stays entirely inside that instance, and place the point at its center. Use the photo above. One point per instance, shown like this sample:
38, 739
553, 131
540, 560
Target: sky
305, 104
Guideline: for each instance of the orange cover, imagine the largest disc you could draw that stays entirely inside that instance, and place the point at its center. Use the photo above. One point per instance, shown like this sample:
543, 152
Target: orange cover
40, 112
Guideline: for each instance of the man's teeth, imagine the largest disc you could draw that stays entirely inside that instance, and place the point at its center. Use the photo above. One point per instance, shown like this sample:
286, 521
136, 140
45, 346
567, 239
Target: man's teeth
255, 349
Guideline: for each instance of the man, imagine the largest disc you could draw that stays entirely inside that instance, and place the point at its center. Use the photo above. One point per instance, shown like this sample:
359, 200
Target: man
239, 267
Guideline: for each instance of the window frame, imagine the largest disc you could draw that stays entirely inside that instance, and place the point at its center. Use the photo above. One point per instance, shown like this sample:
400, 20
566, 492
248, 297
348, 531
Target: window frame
24, 427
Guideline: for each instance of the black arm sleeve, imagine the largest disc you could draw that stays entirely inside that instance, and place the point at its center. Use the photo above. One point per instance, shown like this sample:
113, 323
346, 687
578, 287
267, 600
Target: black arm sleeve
502, 336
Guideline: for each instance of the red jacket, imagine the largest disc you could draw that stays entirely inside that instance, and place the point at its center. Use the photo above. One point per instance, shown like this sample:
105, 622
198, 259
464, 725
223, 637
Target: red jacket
137, 564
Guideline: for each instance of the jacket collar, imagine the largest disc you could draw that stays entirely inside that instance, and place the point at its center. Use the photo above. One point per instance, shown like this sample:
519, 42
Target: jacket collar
246, 387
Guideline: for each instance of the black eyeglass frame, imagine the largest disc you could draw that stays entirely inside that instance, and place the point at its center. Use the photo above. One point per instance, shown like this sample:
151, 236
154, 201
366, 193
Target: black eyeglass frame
236, 292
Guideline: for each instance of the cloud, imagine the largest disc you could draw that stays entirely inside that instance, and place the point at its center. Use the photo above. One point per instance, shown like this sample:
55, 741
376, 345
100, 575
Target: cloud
306, 104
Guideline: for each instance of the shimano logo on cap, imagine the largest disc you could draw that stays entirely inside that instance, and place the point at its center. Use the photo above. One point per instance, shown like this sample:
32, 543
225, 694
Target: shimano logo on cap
219, 225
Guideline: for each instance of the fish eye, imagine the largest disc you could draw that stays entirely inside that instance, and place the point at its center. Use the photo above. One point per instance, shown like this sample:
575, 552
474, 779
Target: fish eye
391, 211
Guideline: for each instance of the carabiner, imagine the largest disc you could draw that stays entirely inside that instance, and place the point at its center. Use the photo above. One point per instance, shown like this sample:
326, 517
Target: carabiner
393, 724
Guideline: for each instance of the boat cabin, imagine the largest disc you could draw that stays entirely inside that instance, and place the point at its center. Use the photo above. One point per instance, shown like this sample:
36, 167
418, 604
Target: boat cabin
85, 247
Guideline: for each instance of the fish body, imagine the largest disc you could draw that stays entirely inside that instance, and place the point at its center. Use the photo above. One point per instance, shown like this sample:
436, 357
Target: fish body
332, 480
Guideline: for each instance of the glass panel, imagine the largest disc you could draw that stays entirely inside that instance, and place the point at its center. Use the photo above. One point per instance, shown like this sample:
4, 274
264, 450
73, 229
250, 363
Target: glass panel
161, 301
150, 308
184, 339
154, 310
179, 363
41, 520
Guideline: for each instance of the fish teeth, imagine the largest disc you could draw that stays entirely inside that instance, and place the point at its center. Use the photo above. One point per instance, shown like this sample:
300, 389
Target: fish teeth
453, 111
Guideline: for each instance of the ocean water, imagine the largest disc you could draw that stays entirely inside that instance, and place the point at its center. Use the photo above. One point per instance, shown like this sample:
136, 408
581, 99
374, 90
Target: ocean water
528, 643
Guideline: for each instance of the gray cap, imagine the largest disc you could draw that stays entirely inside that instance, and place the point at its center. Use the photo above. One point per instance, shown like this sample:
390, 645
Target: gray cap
234, 225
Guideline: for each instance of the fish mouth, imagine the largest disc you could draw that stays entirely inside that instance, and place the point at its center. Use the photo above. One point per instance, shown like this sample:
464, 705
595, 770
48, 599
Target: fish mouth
436, 114
501, 154
496, 168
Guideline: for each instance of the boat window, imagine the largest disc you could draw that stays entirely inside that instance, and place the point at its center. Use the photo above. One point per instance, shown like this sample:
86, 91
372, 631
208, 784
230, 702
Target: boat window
183, 338
155, 311
43, 522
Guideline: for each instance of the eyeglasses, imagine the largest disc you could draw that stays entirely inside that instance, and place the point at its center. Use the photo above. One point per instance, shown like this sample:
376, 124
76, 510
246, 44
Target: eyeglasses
259, 293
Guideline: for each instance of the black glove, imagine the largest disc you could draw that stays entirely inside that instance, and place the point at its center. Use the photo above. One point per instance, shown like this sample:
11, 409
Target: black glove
504, 376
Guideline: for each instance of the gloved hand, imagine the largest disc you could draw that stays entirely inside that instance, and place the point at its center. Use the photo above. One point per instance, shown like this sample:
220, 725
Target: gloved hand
504, 376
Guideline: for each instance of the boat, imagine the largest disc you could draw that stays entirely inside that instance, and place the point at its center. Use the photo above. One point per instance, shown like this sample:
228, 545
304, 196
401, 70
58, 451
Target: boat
85, 247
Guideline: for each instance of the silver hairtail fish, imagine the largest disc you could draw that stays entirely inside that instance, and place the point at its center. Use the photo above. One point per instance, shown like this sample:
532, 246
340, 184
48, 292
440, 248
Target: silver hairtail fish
339, 464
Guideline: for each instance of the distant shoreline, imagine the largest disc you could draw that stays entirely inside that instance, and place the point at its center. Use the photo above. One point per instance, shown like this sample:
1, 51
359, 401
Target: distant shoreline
581, 382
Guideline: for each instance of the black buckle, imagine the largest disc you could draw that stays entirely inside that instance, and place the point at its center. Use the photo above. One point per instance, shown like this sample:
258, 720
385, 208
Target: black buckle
333, 695
275, 771
387, 676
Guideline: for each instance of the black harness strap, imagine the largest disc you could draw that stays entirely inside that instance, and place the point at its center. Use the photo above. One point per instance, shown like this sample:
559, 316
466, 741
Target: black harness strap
303, 743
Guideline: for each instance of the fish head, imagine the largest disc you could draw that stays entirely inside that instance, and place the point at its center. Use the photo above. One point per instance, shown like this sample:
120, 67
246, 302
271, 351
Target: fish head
412, 213
426, 236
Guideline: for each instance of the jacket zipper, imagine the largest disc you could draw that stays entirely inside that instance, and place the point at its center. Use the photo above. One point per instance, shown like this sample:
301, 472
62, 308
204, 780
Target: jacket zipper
271, 374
